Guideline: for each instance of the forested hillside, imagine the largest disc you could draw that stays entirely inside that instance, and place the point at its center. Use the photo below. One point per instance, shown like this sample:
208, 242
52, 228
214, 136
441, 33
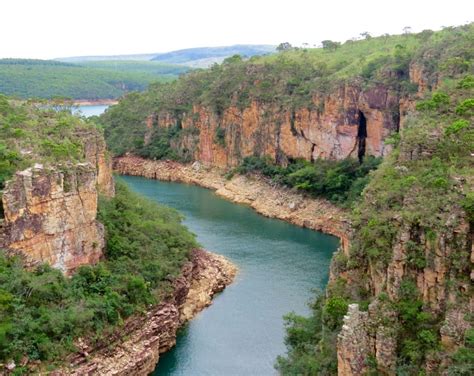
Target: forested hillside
26, 78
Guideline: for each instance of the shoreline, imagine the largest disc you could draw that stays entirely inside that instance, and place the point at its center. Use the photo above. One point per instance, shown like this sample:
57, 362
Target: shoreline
265, 198
94, 102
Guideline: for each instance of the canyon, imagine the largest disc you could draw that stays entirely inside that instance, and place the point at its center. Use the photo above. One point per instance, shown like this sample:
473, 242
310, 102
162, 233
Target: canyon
50, 216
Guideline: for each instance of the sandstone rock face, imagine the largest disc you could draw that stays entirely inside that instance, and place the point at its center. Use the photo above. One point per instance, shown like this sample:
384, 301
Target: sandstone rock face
50, 212
95, 152
266, 198
331, 130
353, 343
135, 348
50, 216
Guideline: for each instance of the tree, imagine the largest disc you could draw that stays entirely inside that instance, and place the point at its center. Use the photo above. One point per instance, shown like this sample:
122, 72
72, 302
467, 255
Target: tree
330, 45
407, 30
366, 35
284, 47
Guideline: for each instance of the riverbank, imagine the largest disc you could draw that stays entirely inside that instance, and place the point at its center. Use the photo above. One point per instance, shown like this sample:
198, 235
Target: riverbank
135, 349
265, 197
94, 102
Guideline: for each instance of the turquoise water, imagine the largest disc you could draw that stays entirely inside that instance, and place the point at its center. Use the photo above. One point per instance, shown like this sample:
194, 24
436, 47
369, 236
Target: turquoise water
279, 264
89, 110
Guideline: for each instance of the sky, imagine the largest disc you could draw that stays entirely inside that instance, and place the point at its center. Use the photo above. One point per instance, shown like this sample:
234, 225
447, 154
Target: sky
47, 29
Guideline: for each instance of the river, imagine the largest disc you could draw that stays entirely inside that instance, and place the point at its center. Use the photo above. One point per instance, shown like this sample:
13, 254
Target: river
279, 264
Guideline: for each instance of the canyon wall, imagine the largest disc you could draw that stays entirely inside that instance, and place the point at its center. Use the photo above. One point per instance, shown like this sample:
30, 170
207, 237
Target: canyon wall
50, 211
136, 346
445, 286
351, 121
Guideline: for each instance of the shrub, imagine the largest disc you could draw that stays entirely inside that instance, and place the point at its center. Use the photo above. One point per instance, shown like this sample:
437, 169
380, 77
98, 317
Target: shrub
334, 311
456, 126
466, 107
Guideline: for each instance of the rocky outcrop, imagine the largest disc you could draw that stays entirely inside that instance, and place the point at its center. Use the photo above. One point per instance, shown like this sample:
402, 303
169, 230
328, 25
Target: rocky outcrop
95, 152
269, 199
353, 343
50, 210
50, 216
135, 348
443, 288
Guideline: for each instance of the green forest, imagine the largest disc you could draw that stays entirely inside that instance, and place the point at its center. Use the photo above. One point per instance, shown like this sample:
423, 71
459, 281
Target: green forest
25, 78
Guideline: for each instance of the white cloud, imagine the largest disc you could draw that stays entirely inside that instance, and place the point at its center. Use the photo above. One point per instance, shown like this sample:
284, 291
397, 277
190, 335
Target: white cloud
54, 28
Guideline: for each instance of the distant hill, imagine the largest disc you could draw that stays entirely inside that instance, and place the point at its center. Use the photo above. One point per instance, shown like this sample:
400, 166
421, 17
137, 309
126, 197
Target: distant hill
26, 78
206, 56
138, 66
201, 57
109, 77
80, 59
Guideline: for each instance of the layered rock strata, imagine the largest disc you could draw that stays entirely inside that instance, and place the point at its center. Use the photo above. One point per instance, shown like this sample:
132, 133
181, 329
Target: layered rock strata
351, 121
50, 216
50, 211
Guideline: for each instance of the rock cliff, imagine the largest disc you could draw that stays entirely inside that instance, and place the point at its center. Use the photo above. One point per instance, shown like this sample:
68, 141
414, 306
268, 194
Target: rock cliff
135, 348
348, 122
50, 211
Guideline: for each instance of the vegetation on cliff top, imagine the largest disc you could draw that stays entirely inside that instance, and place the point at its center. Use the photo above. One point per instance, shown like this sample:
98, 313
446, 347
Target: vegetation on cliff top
42, 312
32, 133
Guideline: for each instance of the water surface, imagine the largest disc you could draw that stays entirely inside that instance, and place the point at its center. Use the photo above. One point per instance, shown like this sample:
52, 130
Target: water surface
91, 110
279, 264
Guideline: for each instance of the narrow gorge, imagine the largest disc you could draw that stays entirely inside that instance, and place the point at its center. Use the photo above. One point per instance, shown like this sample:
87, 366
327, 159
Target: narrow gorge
281, 134
347, 169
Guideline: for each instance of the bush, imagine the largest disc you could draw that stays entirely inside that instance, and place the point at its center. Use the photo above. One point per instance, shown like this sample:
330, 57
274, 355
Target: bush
466, 107
334, 311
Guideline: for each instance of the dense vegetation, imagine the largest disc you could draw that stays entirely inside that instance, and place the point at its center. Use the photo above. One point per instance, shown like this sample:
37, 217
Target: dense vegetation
426, 178
32, 133
42, 311
151, 67
48, 79
341, 182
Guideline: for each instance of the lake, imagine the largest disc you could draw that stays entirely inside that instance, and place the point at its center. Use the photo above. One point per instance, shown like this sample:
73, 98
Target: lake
91, 110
